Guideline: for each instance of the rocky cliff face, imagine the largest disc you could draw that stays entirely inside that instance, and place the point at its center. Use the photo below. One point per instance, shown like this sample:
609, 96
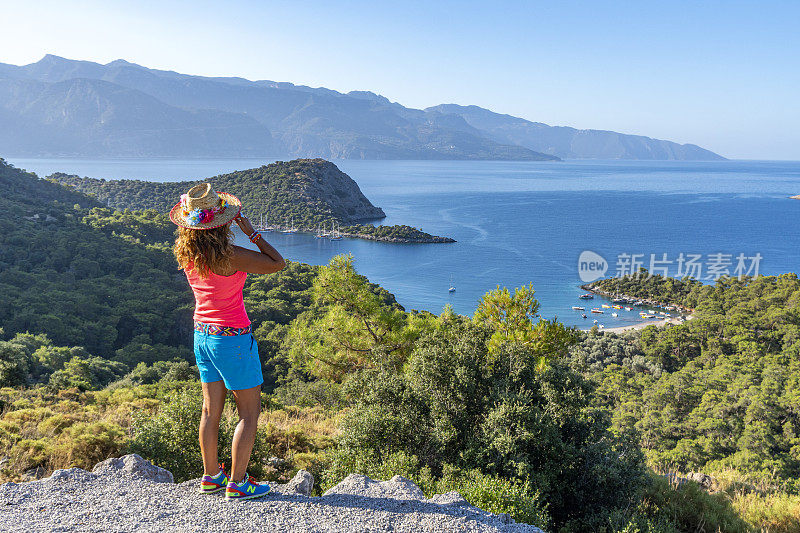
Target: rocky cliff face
130, 494
323, 179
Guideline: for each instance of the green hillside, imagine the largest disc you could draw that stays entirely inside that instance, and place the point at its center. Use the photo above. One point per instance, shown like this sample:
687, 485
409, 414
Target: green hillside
106, 281
72, 270
309, 193
719, 392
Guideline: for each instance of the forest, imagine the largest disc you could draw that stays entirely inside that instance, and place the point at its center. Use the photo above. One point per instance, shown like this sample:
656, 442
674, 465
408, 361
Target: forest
572, 431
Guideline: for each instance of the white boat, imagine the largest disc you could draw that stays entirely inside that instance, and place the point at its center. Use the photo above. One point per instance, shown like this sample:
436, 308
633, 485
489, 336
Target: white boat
291, 228
452, 287
335, 234
576, 308
629, 308
614, 314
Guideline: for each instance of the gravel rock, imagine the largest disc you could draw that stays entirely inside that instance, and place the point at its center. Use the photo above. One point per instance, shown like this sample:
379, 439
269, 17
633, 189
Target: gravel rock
301, 483
75, 500
276, 461
136, 466
72, 474
398, 488
449, 498
34, 473
704, 480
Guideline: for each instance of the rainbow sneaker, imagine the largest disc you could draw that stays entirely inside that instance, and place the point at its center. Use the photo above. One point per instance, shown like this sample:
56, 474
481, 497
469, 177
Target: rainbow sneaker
212, 484
247, 489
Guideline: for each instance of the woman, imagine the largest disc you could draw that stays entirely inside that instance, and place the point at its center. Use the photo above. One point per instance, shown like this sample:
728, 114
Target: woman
224, 347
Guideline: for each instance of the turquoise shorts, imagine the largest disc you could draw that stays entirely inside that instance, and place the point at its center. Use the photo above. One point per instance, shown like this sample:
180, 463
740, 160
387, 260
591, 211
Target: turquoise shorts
232, 359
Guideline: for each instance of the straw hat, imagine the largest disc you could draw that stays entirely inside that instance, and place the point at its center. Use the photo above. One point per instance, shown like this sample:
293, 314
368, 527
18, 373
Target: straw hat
204, 208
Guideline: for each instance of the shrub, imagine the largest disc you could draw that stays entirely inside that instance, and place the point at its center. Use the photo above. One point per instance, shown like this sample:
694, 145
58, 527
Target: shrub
308, 393
451, 406
86, 444
170, 438
340, 463
776, 513
497, 495
691, 508
86, 374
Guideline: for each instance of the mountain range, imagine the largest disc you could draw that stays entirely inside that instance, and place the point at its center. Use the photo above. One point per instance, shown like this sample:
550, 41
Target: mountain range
63, 107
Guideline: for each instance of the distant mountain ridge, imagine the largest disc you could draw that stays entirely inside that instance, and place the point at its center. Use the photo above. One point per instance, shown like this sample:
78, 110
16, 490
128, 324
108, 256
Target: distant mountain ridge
571, 143
63, 107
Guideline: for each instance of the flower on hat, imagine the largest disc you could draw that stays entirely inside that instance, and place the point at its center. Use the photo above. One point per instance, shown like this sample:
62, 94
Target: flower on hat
200, 216
193, 218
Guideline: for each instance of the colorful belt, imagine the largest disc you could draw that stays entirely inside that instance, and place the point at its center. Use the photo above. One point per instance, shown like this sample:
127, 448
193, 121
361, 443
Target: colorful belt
211, 329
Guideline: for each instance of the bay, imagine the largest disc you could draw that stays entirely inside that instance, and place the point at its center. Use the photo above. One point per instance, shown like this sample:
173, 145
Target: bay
528, 222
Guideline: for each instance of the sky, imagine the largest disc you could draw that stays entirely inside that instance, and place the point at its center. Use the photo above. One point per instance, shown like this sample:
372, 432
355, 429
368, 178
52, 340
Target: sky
724, 75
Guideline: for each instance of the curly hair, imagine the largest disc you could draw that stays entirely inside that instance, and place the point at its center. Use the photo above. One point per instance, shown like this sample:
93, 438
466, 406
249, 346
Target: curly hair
205, 250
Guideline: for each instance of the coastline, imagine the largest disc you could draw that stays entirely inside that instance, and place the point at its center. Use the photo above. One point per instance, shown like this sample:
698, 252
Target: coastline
429, 239
686, 313
657, 323
396, 240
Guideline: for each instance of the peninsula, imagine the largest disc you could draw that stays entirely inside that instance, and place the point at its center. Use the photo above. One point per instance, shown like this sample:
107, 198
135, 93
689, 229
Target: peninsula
304, 195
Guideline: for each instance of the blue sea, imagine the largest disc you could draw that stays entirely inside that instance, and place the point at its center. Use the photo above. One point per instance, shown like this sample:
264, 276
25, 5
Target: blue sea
528, 222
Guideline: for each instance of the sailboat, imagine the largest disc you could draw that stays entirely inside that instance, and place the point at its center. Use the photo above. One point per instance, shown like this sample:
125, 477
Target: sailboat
291, 228
319, 233
452, 287
336, 235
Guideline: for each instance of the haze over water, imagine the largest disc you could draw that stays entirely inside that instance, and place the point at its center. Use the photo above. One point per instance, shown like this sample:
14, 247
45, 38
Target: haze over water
520, 222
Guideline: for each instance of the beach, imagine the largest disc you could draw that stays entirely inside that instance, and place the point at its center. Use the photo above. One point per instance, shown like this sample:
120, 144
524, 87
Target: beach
658, 323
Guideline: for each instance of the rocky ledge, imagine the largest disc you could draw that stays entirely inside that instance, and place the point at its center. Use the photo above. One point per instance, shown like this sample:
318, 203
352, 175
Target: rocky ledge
130, 494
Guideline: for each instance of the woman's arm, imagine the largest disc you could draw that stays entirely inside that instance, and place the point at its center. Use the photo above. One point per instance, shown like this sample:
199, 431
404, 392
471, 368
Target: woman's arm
267, 261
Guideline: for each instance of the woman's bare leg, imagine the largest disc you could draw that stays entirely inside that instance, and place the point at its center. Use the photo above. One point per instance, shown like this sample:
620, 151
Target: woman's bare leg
248, 403
213, 402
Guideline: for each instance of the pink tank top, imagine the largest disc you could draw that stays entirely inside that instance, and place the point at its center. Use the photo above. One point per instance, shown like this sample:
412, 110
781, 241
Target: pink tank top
218, 299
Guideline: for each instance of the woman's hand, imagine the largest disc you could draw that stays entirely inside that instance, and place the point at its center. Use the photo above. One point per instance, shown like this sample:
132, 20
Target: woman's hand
244, 224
